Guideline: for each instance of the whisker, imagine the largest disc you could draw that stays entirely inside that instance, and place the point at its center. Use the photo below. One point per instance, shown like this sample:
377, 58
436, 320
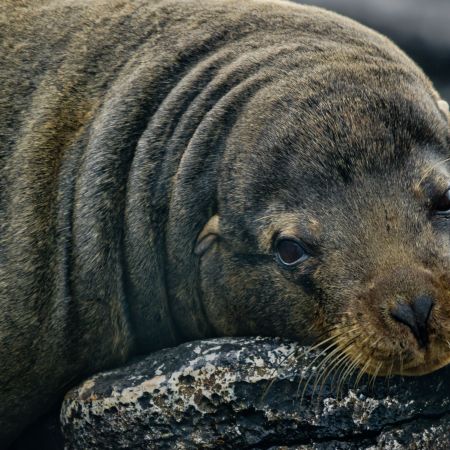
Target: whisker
333, 364
322, 375
334, 338
349, 362
335, 342
332, 327
374, 376
354, 362
324, 351
343, 330
362, 372
431, 169
341, 361
366, 366
315, 346
389, 375
327, 359
276, 369
260, 219
352, 367
356, 337
346, 375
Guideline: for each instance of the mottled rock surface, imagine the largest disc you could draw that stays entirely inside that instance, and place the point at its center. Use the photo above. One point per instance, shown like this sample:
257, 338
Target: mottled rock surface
246, 394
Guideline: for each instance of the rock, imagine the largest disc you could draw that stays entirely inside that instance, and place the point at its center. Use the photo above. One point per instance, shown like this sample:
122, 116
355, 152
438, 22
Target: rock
246, 393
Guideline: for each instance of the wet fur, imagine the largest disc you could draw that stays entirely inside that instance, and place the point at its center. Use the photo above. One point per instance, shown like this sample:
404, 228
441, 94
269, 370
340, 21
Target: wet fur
126, 125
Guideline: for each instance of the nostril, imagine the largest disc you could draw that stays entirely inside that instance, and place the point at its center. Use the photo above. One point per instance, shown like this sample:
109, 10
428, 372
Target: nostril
422, 306
415, 316
403, 313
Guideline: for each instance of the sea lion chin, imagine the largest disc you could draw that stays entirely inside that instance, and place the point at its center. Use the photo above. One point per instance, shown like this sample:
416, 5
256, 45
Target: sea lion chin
180, 170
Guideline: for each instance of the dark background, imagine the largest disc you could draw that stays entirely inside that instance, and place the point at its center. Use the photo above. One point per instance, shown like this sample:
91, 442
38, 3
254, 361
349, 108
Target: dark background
420, 27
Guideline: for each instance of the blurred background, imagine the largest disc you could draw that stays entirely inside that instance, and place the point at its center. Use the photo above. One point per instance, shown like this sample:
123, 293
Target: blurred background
420, 27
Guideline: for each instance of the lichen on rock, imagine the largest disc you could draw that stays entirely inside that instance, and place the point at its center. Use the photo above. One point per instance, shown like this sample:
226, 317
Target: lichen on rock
252, 393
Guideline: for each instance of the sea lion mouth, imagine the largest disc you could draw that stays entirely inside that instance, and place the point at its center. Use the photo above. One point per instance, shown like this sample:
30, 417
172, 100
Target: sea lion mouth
348, 353
361, 351
416, 366
396, 324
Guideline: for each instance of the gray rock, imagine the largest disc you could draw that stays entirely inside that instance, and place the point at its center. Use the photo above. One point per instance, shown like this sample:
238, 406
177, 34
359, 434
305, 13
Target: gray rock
247, 394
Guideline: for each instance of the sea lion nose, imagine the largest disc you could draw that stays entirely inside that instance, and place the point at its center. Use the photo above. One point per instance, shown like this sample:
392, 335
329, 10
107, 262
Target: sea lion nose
415, 315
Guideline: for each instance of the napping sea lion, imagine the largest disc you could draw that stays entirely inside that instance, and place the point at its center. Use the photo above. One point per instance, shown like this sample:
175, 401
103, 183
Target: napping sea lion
173, 170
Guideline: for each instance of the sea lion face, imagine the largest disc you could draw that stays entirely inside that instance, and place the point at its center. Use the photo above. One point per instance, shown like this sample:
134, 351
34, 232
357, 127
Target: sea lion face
333, 226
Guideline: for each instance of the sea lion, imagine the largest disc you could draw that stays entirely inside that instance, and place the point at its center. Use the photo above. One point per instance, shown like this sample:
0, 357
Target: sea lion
173, 170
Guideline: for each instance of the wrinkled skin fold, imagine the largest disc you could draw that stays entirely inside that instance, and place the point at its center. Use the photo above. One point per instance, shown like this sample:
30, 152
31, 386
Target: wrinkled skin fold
127, 128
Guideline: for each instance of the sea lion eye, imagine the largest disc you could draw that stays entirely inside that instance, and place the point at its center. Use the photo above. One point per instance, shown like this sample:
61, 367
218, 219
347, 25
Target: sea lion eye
442, 205
289, 252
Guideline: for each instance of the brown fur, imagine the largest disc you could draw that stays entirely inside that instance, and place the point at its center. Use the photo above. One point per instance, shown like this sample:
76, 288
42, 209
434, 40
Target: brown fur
126, 125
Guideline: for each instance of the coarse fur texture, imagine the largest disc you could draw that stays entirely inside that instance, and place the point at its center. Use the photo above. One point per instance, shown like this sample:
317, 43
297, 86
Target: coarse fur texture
128, 127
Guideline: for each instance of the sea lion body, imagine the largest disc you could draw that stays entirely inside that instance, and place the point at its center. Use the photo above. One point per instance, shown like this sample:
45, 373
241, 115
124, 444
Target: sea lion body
151, 154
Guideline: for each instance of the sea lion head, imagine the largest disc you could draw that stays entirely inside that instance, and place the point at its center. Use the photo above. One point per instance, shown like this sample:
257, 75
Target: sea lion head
332, 222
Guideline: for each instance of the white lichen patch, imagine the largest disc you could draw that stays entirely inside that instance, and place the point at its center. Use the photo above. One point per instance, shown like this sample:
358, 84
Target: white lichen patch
197, 350
86, 387
212, 349
131, 394
362, 408
199, 383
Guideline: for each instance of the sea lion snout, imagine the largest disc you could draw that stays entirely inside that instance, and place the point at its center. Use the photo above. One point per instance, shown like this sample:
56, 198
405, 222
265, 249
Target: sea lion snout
415, 316
402, 314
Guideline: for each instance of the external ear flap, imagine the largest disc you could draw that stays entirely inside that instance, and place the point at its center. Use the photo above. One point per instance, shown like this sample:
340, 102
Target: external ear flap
208, 235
